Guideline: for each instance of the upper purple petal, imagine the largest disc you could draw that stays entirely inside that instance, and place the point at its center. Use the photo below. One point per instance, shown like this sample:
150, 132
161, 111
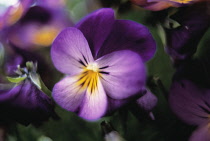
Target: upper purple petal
130, 35
96, 27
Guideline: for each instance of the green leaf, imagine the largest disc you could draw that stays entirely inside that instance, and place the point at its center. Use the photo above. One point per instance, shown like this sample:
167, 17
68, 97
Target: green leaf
171, 24
16, 79
45, 89
2, 54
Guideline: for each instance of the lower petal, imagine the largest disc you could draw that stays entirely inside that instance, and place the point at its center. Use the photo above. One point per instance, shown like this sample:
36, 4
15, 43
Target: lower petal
94, 104
67, 94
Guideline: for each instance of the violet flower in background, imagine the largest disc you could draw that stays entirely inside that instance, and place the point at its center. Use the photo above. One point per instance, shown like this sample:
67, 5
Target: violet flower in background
153, 6
189, 96
191, 103
38, 26
182, 41
25, 102
104, 60
15, 56
157, 5
12, 11
52, 3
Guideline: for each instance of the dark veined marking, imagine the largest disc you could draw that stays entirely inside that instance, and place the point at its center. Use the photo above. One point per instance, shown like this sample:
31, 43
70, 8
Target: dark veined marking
104, 67
84, 59
104, 72
182, 1
82, 63
204, 109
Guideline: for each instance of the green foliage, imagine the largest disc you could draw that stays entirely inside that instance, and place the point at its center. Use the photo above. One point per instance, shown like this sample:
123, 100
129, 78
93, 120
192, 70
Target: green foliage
16, 79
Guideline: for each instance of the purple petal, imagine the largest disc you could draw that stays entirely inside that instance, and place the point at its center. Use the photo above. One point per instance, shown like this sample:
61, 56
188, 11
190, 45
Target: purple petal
70, 51
130, 35
12, 63
96, 28
153, 6
115, 104
13, 12
26, 104
67, 94
182, 42
52, 3
123, 74
201, 134
190, 102
147, 102
94, 104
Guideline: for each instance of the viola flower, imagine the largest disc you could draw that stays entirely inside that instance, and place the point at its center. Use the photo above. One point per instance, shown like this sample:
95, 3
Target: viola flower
189, 97
182, 41
103, 59
191, 104
157, 5
153, 6
38, 27
12, 11
52, 3
25, 102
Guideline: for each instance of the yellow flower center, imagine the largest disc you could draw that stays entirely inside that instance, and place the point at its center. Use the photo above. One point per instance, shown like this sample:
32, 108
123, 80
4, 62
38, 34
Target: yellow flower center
45, 36
89, 78
182, 1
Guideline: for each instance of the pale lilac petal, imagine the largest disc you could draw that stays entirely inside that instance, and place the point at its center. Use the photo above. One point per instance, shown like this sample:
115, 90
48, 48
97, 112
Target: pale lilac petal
190, 102
70, 51
123, 73
201, 134
96, 28
94, 104
67, 94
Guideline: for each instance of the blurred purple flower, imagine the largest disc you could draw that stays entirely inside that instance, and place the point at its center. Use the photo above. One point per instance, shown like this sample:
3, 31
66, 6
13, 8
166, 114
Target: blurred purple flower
12, 11
104, 62
191, 103
38, 27
183, 40
52, 3
25, 102
189, 97
157, 5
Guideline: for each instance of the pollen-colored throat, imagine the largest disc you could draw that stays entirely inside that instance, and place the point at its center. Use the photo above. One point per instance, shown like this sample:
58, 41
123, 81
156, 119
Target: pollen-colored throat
90, 76
88, 80
182, 1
